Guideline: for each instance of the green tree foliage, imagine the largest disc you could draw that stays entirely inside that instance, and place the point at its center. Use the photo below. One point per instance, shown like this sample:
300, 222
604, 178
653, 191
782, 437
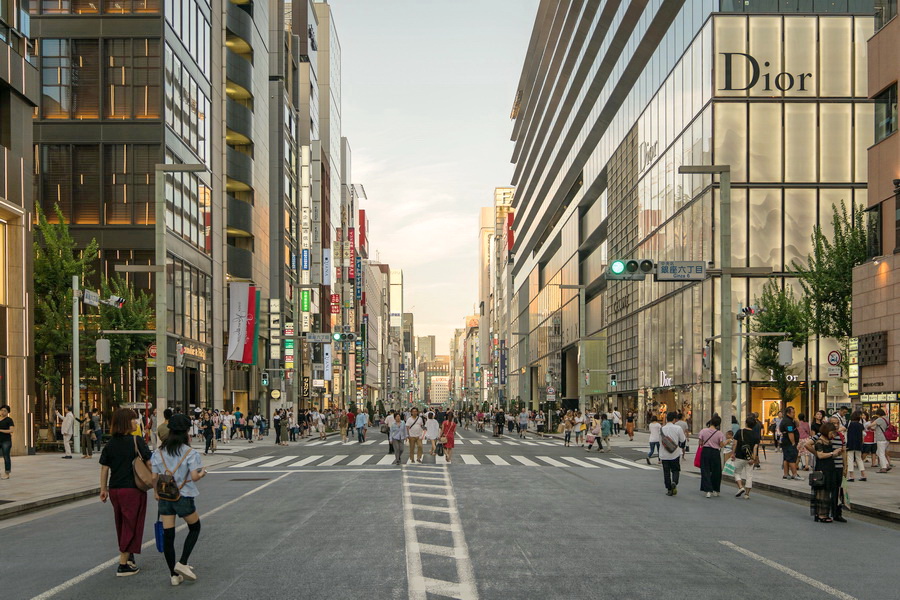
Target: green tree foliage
56, 260
782, 311
827, 276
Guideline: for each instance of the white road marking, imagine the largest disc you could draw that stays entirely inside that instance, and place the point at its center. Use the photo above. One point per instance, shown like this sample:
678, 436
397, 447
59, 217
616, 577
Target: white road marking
552, 462
114, 561
442, 509
252, 461
367, 442
469, 459
278, 461
511, 443
605, 463
316, 443
497, 460
387, 459
332, 461
798, 576
579, 462
458, 442
493, 443
631, 463
360, 460
529, 443
475, 442
525, 461
332, 443
306, 461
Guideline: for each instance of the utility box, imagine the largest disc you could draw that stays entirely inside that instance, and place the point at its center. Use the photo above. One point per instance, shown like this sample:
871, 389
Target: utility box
785, 353
103, 352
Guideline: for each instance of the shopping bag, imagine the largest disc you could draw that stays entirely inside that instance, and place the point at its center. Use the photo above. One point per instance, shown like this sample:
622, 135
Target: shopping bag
697, 457
590, 438
729, 467
158, 533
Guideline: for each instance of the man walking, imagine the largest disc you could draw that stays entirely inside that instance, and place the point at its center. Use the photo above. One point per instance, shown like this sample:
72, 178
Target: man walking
679, 420
416, 428
68, 430
616, 420
789, 439
672, 439
362, 425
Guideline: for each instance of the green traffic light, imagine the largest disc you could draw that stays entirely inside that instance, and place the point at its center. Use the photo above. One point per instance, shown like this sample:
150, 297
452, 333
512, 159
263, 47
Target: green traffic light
617, 267
336, 337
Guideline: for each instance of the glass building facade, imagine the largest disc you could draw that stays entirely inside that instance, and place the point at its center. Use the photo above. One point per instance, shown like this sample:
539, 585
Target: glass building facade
780, 97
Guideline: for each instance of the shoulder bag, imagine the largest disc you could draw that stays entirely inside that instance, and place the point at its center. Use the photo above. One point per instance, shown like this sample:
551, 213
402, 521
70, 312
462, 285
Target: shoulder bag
143, 476
817, 480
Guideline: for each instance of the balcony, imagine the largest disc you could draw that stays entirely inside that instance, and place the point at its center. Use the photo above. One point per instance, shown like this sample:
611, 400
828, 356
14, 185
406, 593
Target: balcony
238, 77
240, 263
238, 171
238, 123
239, 31
240, 217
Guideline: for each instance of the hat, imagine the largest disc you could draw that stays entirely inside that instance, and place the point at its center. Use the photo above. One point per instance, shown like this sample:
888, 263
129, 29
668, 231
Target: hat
179, 423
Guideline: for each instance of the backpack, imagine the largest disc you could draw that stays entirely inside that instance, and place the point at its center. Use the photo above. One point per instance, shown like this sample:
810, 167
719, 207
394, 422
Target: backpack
166, 488
890, 434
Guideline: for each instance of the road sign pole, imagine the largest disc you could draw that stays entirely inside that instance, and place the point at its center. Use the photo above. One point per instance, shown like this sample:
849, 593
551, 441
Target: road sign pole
76, 366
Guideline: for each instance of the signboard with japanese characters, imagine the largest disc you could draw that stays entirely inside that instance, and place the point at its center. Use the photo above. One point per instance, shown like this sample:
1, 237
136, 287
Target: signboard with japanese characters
680, 270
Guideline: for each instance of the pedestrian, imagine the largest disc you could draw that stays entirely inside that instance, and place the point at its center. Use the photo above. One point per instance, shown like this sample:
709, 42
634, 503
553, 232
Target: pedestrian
207, 426
523, 422
789, 439
68, 430
822, 501
711, 441
817, 421
672, 440
397, 436
580, 428
855, 461
87, 436
162, 431
362, 426
98, 430
687, 436
343, 423
595, 434
499, 421
432, 432
276, 423
323, 418
655, 428
7, 428
568, 427
176, 458
616, 420
629, 425
804, 432
869, 448
283, 427
880, 425
415, 426
606, 429
744, 455
248, 427
448, 435
539, 421
117, 483
239, 423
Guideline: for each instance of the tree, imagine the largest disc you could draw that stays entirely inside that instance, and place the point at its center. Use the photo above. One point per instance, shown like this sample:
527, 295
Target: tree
56, 261
780, 311
827, 276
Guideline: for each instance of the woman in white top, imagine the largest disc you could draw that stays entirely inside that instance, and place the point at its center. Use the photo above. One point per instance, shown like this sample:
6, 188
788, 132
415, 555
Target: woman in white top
432, 432
655, 428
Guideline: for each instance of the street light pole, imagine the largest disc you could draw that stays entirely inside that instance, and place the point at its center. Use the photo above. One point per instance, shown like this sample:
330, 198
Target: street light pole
724, 173
76, 362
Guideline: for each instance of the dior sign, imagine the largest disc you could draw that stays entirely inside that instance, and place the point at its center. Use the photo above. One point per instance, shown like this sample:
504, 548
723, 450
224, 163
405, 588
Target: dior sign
781, 82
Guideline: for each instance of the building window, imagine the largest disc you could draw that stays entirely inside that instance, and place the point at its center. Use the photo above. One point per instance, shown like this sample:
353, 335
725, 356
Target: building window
70, 79
873, 232
92, 7
886, 113
122, 7
128, 183
132, 79
885, 10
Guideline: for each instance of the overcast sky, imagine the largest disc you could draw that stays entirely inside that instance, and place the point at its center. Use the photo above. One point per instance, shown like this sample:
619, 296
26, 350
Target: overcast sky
427, 90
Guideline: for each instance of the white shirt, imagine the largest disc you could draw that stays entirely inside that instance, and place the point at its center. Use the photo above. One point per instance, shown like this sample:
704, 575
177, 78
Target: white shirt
654, 431
432, 430
68, 424
617, 418
415, 426
677, 434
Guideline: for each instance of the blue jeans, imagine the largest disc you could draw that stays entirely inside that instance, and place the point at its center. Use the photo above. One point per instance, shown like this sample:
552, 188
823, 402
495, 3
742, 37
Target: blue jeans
653, 445
5, 449
361, 435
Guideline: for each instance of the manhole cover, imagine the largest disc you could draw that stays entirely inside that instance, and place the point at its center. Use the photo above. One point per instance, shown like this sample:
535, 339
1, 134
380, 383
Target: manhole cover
252, 479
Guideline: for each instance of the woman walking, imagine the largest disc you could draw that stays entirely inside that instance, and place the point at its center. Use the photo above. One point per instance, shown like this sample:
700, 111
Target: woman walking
629, 425
117, 483
804, 432
448, 435
879, 425
206, 425
711, 441
343, 424
655, 428
595, 434
398, 437
745, 456
87, 435
869, 448
580, 427
855, 447
824, 497
568, 426
177, 458
432, 431
248, 427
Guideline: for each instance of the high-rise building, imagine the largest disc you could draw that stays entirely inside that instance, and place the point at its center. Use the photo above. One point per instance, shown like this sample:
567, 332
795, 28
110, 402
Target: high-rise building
874, 380
635, 91
425, 348
19, 95
396, 301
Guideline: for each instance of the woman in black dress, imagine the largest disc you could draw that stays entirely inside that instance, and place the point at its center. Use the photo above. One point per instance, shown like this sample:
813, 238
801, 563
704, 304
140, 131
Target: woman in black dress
823, 497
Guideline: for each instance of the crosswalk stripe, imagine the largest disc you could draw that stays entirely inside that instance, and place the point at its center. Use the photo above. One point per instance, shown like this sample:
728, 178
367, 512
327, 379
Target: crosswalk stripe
497, 460
475, 442
360, 460
459, 442
493, 443
529, 444
278, 461
552, 461
545, 444
469, 459
579, 462
332, 461
605, 463
369, 442
332, 443
316, 443
525, 461
511, 443
387, 459
633, 464
306, 461
252, 461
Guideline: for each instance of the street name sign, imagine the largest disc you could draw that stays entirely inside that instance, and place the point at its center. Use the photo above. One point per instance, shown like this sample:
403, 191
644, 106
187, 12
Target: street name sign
318, 338
680, 270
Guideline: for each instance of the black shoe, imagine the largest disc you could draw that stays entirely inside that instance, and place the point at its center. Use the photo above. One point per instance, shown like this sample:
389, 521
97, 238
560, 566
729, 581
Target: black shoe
127, 570
648, 460
669, 493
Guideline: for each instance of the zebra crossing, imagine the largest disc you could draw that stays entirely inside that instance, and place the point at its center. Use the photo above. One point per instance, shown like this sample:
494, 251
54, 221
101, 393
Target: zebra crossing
461, 459
459, 442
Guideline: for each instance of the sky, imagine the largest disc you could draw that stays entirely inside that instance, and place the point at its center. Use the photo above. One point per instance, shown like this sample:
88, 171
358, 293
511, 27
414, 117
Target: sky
428, 86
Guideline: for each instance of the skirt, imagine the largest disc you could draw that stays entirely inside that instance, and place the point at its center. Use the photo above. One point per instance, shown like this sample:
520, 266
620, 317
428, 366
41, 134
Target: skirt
629, 428
869, 448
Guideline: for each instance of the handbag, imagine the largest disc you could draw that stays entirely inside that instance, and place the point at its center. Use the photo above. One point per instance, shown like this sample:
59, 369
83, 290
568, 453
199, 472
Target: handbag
440, 450
158, 533
729, 467
817, 480
697, 456
143, 477
590, 438
385, 428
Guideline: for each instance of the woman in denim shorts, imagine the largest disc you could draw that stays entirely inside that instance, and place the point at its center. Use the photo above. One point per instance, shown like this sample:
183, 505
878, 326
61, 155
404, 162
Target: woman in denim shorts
178, 458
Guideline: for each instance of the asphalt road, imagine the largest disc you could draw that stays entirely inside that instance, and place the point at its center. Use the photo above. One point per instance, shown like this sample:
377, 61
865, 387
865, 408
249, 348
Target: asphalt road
476, 529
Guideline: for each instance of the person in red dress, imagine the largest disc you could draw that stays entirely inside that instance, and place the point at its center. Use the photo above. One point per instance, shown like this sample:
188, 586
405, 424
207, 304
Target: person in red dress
448, 431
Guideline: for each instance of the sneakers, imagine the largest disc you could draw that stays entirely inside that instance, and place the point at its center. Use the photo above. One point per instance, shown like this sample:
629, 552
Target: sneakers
176, 579
740, 493
709, 494
185, 571
746, 496
669, 493
716, 494
127, 570
675, 490
4, 476
798, 477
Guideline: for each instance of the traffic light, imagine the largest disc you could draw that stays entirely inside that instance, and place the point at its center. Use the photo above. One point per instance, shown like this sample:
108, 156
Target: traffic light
265, 379
630, 270
344, 337
706, 356
612, 380
749, 311
117, 301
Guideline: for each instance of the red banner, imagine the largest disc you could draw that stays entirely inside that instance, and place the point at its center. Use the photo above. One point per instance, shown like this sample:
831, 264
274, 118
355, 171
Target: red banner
335, 304
250, 339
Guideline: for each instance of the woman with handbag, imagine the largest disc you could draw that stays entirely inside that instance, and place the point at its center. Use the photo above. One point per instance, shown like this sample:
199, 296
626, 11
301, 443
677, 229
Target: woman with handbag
124, 480
826, 479
448, 435
176, 469
711, 441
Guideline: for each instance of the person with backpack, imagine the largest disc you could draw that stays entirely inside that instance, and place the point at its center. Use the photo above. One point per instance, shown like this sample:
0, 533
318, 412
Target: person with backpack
176, 469
671, 439
745, 455
415, 426
885, 433
119, 482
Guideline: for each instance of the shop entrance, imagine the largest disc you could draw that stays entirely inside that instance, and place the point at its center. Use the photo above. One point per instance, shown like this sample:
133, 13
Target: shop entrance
765, 402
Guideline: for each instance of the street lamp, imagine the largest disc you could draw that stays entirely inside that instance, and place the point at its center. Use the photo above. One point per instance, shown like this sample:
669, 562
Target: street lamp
724, 173
162, 348
582, 331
